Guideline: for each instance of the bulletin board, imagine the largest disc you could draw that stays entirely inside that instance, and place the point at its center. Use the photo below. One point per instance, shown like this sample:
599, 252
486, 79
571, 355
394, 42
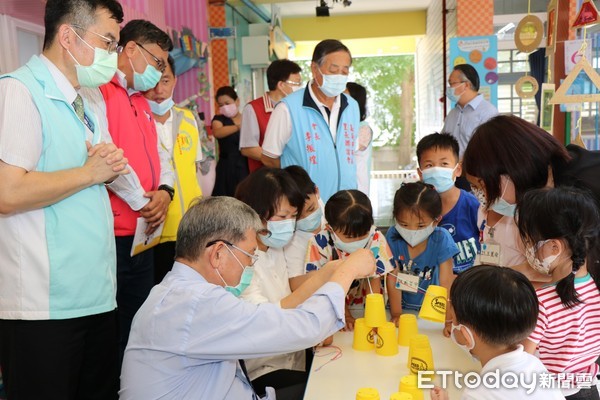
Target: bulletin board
482, 53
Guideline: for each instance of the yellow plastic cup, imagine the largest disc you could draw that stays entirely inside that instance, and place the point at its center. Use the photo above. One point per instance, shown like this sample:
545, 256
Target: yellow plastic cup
375, 310
407, 329
420, 356
409, 384
363, 336
385, 342
367, 394
401, 396
434, 304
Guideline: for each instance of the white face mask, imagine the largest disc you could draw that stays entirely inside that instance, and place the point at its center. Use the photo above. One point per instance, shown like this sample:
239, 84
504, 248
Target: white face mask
415, 236
351, 247
543, 266
502, 206
465, 348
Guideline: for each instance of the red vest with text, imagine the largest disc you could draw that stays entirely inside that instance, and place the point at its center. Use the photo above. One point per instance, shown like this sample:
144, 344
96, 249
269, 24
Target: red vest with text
262, 117
132, 129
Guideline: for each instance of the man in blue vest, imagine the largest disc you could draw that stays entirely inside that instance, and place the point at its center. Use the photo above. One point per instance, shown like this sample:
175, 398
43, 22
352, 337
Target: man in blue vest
317, 127
57, 251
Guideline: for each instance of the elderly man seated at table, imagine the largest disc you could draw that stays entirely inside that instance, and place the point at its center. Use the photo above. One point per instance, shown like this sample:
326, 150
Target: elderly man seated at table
189, 335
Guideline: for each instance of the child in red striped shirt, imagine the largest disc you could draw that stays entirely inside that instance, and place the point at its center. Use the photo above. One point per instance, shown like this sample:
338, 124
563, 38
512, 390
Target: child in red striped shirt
560, 228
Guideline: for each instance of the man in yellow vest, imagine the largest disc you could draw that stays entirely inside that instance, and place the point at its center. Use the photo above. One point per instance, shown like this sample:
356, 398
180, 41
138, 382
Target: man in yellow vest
178, 135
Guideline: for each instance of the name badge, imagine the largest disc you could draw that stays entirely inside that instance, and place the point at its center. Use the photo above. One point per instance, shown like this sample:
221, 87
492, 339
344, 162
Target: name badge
407, 282
490, 254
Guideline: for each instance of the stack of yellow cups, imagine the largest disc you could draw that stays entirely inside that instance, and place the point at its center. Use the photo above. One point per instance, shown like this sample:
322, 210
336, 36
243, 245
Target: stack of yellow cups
367, 394
408, 384
420, 356
407, 329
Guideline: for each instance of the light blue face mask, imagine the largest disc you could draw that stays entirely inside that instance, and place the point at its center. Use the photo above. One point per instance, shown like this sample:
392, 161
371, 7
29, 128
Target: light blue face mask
161, 108
245, 279
441, 178
415, 236
333, 85
351, 247
101, 71
503, 207
146, 80
451, 93
281, 233
310, 223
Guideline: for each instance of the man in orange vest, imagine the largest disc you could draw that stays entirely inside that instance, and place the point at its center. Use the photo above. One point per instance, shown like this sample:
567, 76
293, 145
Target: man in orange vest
283, 78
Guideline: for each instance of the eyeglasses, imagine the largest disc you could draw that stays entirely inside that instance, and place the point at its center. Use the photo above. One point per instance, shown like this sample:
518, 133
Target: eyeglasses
159, 63
455, 83
293, 83
253, 257
112, 46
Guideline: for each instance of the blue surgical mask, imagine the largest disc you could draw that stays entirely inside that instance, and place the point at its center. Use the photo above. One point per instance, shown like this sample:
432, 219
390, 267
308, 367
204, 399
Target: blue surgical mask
351, 247
311, 222
465, 348
281, 233
146, 80
415, 236
502, 206
451, 93
245, 279
161, 108
333, 85
101, 71
441, 178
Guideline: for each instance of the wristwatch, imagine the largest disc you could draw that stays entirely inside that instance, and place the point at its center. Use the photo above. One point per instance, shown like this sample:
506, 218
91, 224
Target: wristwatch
168, 189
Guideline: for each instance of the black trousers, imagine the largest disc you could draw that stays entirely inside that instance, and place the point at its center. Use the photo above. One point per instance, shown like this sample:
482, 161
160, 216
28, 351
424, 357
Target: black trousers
164, 256
135, 278
288, 384
70, 359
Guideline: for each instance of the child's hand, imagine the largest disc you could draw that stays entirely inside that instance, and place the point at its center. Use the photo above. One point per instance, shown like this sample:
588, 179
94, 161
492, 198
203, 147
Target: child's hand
447, 329
439, 394
395, 320
349, 322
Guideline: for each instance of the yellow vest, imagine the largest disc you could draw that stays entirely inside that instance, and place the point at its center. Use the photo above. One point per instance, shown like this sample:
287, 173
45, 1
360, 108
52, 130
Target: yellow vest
186, 140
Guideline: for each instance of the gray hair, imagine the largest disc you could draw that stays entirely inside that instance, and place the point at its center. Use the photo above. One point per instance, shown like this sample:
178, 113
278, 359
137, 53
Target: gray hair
326, 47
214, 218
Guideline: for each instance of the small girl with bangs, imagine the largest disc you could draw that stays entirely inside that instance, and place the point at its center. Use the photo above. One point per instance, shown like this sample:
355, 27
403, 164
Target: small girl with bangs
560, 229
422, 251
350, 227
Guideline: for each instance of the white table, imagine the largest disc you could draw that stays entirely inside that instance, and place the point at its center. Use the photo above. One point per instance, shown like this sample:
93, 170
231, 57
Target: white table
340, 379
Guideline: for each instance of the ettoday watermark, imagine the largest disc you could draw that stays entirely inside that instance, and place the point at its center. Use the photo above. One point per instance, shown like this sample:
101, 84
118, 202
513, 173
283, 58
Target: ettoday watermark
497, 379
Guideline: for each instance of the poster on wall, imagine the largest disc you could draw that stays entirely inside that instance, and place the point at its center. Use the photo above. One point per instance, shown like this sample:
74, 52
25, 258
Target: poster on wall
573, 54
482, 53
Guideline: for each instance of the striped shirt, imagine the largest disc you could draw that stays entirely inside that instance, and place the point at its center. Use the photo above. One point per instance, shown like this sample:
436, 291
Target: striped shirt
568, 340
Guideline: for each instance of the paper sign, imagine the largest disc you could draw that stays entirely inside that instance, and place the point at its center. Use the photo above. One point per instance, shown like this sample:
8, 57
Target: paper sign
572, 55
490, 254
407, 282
547, 109
141, 241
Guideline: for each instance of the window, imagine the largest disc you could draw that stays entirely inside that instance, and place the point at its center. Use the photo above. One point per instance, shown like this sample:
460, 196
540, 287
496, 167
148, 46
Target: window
512, 65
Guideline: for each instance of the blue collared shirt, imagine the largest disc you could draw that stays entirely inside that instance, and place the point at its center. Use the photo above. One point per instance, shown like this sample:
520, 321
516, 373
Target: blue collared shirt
461, 122
188, 335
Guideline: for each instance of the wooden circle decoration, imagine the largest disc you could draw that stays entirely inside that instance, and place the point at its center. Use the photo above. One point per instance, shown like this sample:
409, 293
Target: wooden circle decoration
526, 87
529, 34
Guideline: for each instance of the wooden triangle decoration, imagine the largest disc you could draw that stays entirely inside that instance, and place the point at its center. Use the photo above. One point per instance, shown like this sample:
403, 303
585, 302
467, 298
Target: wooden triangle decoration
579, 141
588, 15
561, 96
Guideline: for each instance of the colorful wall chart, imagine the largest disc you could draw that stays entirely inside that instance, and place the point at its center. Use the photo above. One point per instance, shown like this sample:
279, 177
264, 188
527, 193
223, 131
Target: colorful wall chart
481, 52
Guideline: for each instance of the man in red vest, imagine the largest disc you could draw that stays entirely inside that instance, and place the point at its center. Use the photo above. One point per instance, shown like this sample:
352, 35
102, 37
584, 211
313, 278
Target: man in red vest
283, 78
131, 125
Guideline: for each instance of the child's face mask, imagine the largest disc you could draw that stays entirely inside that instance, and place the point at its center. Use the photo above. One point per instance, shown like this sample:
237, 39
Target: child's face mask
351, 247
543, 266
465, 348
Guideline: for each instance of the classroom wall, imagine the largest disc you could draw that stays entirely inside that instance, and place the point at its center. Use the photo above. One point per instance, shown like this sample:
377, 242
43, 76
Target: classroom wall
430, 71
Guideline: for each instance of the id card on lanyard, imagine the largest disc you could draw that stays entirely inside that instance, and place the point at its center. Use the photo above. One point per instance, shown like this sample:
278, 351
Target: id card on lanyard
406, 280
490, 250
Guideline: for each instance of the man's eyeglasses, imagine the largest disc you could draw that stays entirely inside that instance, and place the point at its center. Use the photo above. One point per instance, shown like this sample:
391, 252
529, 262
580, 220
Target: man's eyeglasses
253, 257
159, 63
293, 83
112, 46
